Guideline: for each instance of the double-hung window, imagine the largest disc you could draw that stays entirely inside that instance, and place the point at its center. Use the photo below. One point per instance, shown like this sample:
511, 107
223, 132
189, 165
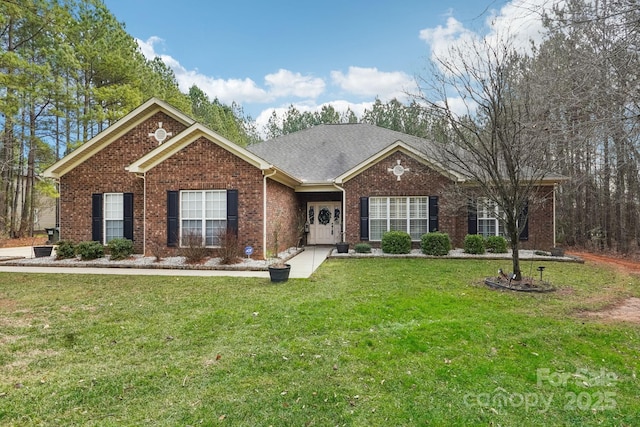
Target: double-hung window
409, 214
203, 216
490, 216
113, 216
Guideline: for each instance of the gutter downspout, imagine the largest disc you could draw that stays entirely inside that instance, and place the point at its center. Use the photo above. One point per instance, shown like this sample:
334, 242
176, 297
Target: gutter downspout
555, 188
143, 176
56, 181
344, 213
264, 210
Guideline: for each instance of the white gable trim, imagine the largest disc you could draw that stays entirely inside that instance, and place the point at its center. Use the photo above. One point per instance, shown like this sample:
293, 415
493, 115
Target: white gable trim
185, 138
164, 151
112, 133
408, 150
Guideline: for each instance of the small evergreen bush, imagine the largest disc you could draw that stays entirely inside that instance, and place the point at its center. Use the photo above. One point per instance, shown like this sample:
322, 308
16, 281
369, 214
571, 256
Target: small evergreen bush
66, 249
496, 244
437, 244
90, 250
474, 244
396, 242
120, 248
362, 248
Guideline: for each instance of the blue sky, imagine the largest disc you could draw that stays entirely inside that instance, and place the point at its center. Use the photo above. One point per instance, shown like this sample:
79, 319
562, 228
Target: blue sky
267, 55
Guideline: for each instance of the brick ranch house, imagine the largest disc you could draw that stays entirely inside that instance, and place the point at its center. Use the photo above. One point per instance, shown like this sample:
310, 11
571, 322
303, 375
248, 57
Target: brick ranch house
156, 177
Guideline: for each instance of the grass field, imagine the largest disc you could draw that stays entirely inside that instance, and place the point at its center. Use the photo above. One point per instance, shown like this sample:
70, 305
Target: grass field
362, 343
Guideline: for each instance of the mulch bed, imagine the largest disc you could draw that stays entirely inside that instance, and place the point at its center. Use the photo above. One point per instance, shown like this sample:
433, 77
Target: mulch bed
527, 284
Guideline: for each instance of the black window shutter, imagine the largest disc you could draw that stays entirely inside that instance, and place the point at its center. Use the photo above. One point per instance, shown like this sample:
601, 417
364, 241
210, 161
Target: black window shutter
173, 209
364, 218
524, 217
433, 214
232, 211
96, 217
127, 201
472, 217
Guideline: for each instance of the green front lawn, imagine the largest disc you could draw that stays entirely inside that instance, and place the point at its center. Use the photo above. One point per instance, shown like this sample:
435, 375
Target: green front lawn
362, 343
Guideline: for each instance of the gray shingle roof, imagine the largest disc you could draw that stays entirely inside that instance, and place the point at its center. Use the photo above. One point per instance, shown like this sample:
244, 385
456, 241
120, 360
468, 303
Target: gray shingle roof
324, 152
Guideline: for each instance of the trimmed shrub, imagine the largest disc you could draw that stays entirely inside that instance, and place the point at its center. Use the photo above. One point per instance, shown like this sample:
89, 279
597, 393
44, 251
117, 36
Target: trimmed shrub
496, 244
362, 248
474, 244
90, 250
437, 244
66, 249
120, 248
396, 242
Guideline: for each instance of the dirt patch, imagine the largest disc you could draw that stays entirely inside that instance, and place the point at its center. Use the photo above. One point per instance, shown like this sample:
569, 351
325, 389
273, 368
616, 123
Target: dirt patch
7, 304
627, 311
629, 265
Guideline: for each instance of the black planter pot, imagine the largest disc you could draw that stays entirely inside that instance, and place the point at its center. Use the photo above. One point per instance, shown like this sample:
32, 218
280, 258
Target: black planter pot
342, 247
279, 274
42, 251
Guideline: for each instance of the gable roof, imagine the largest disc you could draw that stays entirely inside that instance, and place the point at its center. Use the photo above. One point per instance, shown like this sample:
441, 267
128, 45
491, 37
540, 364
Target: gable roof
327, 153
186, 137
112, 133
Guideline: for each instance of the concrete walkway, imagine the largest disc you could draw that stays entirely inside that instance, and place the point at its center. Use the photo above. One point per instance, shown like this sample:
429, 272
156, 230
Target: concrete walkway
302, 266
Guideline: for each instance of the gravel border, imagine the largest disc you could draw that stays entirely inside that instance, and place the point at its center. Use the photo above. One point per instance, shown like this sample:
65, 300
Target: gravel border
525, 255
147, 262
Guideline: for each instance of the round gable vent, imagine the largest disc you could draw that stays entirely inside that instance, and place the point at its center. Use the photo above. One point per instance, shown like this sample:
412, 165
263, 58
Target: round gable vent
160, 135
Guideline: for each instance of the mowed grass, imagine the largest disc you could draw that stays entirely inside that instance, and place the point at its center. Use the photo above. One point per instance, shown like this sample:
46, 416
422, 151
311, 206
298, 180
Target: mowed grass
382, 342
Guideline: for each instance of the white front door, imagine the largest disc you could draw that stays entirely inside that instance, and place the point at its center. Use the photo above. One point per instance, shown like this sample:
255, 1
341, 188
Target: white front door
325, 222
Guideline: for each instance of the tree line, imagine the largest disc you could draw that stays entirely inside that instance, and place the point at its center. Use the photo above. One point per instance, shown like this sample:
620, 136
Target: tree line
69, 69
569, 105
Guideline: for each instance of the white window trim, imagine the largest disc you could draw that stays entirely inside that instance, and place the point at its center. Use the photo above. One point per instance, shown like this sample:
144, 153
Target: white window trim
202, 218
408, 213
105, 197
491, 214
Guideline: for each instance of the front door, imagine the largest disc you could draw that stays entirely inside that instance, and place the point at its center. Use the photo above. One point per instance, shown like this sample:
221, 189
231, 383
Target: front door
325, 222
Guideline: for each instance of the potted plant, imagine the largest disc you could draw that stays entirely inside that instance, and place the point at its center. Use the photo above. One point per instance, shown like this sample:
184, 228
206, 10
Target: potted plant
278, 270
342, 246
42, 251
557, 251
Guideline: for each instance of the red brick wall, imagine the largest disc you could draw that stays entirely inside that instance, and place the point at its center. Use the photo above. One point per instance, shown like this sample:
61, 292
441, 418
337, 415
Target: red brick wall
421, 180
203, 165
199, 166
541, 220
104, 173
282, 216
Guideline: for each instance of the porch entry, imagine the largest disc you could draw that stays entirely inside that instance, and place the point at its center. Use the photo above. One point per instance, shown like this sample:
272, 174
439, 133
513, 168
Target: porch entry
325, 222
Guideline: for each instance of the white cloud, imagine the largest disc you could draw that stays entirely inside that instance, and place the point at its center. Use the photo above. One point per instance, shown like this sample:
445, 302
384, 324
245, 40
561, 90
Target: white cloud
370, 82
147, 47
286, 83
442, 39
518, 19
522, 19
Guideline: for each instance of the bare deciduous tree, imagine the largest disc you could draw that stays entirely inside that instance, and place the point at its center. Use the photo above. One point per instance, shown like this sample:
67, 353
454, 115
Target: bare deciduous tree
495, 135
